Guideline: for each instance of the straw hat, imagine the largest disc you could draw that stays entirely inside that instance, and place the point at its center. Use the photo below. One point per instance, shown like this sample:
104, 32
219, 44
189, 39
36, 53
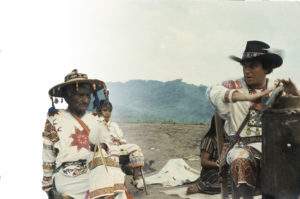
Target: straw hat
75, 78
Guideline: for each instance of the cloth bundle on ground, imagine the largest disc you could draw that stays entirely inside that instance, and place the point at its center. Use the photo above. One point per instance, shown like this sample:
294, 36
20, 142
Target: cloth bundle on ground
175, 172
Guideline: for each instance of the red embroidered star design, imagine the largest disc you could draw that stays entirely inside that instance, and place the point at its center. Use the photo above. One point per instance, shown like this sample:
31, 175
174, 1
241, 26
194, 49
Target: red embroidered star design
80, 139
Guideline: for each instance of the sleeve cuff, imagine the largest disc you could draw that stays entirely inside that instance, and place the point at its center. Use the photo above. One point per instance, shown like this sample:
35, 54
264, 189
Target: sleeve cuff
228, 95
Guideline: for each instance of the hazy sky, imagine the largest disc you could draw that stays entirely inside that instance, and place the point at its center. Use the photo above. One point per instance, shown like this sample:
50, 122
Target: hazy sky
41, 41
169, 39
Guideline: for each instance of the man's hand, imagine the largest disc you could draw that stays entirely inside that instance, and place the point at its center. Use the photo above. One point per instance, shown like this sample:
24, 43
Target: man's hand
237, 96
289, 87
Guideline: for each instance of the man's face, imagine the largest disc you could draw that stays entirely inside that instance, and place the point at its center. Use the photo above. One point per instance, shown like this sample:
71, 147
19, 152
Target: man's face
79, 100
254, 73
106, 113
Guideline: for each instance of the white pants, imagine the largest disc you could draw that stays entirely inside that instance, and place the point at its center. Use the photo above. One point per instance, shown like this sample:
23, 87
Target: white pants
76, 187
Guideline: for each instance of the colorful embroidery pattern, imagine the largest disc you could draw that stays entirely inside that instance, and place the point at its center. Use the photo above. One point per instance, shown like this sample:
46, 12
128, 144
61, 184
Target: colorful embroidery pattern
230, 84
226, 97
48, 165
50, 132
80, 139
107, 190
137, 160
75, 168
243, 170
98, 162
254, 120
74, 172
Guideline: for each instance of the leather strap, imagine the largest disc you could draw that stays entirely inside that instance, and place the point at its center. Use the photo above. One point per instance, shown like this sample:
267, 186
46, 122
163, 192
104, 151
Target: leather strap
82, 124
237, 135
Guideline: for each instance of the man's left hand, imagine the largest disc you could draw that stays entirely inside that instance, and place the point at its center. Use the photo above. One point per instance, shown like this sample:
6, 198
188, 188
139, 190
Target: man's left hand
289, 87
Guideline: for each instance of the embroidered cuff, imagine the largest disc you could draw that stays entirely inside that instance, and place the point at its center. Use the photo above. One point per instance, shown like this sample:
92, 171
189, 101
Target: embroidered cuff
228, 95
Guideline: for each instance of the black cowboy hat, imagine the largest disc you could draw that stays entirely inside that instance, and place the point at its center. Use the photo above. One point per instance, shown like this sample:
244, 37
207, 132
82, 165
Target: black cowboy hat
260, 50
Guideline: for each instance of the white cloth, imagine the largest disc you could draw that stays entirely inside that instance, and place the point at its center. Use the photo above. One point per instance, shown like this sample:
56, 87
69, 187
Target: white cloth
76, 187
234, 113
175, 172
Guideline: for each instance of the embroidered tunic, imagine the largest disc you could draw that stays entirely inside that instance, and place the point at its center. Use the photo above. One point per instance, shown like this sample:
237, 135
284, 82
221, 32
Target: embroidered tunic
241, 158
65, 141
220, 96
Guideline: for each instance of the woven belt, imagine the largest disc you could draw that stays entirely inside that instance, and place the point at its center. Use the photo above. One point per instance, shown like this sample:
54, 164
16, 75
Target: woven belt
82, 163
248, 140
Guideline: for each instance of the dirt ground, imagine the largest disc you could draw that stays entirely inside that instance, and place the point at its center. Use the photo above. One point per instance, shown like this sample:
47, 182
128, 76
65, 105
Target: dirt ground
161, 142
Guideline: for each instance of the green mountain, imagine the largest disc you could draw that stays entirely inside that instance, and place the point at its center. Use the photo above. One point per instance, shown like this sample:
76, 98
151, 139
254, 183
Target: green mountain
155, 101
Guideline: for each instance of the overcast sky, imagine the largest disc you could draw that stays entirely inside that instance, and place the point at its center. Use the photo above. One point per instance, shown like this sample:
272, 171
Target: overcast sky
41, 41
165, 40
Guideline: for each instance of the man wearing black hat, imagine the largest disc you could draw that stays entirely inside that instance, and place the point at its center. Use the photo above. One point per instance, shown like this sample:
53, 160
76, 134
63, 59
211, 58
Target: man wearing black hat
238, 102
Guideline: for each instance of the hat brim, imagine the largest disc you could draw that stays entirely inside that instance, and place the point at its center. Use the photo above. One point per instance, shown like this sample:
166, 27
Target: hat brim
57, 91
269, 57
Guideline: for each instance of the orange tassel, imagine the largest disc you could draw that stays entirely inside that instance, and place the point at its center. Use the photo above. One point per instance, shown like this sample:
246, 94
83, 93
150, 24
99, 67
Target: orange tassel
76, 86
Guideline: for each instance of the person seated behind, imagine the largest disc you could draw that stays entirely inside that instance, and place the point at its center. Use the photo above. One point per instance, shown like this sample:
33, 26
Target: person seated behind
136, 158
208, 182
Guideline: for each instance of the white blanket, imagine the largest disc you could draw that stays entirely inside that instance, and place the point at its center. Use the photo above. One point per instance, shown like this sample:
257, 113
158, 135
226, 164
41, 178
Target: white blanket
175, 172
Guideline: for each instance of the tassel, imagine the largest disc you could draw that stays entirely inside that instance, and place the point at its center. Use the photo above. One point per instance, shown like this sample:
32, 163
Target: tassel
96, 102
94, 86
76, 86
62, 100
52, 110
248, 132
257, 131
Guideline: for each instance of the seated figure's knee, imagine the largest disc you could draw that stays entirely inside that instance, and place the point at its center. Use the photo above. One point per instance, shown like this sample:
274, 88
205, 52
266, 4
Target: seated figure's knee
238, 153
